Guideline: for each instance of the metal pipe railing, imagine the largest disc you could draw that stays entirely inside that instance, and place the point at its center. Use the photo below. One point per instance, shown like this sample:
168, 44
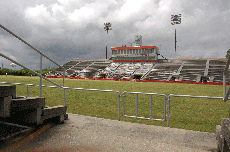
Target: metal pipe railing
30, 46
187, 96
72, 89
40, 84
151, 94
29, 70
42, 54
226, 95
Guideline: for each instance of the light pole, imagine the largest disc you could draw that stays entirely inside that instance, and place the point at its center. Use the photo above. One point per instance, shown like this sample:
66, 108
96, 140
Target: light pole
107, 28
175, 19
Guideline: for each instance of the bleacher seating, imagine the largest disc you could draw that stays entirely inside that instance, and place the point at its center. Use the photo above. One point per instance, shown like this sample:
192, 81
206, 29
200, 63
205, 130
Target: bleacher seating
143, 68
94, 69
192, 69
183, 70
162, 71
59, 70
108, 70
78, 69
216, 69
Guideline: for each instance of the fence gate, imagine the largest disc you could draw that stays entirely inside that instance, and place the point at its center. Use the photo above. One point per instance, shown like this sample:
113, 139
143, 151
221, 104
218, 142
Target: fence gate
150, 94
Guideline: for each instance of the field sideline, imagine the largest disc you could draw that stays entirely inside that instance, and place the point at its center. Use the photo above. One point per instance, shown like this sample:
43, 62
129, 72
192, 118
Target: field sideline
186, 113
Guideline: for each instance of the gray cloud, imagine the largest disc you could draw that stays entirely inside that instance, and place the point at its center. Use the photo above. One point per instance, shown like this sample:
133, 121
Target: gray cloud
66, 29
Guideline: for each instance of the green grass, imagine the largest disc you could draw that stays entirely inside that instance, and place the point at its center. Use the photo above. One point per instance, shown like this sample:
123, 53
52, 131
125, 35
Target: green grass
186, 113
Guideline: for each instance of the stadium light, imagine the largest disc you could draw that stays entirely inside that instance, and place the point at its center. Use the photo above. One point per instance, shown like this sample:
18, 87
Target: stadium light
175, 19
107, 28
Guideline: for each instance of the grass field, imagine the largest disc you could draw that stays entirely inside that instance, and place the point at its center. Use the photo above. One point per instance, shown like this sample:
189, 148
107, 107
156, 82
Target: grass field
186, 113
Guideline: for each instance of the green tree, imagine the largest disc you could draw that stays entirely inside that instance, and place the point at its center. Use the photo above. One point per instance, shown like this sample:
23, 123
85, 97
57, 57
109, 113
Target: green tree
228, 52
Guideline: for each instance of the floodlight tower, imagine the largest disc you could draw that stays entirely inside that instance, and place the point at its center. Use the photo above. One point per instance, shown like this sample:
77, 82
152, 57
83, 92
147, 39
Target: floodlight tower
175, 19
107, 28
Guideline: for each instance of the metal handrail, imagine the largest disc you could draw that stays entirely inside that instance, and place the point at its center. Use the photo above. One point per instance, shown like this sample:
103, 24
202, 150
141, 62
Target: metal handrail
30, 46
42, 54
226, 95
29, 70
72, 89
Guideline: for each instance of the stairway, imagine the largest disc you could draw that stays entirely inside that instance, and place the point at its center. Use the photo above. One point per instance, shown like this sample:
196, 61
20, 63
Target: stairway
29, 111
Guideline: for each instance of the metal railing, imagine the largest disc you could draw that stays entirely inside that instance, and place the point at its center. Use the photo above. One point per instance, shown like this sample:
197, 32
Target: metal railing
226, 95
41, 55
187, 96
72, 89
151, 94
40, 75
123, 95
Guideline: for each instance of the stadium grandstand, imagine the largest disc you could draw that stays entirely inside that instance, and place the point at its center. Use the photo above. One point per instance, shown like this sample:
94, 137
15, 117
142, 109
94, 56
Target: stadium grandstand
192, 70
141, 63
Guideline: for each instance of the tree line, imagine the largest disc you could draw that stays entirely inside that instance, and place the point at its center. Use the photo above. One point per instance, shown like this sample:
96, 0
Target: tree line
24, 72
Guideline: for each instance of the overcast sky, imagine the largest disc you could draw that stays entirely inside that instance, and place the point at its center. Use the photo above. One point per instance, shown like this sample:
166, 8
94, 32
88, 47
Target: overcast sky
71, 29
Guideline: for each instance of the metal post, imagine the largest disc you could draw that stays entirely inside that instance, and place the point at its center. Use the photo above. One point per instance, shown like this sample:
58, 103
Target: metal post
63, 86
27, 90
40, 84
165, 107
168, 111
224, 85
175, 40
136, 105
123, 104
150, 107
118, 106
106, 52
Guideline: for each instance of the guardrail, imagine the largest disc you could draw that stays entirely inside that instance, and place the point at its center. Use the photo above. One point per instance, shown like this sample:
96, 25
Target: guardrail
72, 89
187, 96
151, 94
42, 54
123, 95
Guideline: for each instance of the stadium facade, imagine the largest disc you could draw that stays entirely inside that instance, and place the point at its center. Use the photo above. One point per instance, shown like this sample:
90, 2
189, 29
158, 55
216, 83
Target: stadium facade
136, 53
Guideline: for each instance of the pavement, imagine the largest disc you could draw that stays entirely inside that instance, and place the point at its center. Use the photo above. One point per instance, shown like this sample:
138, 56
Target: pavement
85, 133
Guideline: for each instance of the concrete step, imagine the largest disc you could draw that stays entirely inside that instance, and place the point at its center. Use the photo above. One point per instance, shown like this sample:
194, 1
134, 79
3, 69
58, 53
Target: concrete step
8, 90
27, 103
5, 106
56, 111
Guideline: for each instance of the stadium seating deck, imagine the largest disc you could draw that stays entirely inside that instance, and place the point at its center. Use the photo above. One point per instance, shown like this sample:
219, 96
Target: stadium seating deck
162, 71
195, 70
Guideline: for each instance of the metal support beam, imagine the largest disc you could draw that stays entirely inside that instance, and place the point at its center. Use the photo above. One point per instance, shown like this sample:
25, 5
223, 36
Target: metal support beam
40, 84
27, 91
175, 40
106, 52
224, 85
63, 86
119, 106
226, 95
136, 105
150, 107
168, 111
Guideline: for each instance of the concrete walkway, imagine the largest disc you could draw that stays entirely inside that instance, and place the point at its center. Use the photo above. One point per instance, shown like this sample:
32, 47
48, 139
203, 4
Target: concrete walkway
84, 133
